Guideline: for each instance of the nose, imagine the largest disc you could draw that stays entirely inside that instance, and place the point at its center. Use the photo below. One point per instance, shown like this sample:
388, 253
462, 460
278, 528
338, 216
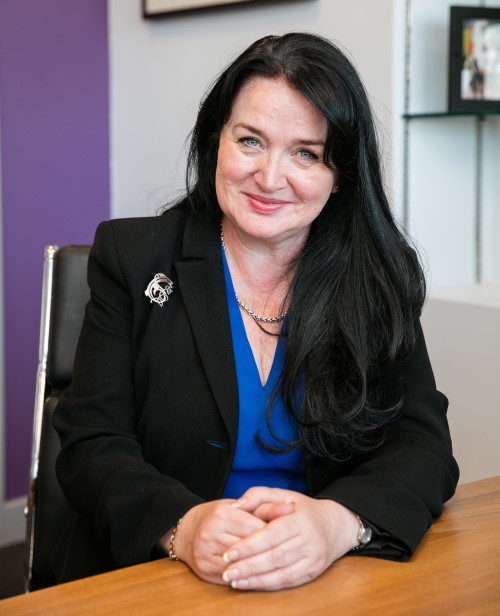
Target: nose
271, 173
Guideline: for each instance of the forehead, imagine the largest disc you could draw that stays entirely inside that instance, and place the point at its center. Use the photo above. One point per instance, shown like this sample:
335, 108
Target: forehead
274, 101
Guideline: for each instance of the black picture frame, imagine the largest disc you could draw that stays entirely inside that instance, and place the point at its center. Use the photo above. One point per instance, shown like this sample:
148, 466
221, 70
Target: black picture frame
153, 9
474, 59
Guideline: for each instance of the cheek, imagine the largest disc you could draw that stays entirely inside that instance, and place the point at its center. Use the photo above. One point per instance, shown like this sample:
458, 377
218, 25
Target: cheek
229, 177
231, 168
317, 188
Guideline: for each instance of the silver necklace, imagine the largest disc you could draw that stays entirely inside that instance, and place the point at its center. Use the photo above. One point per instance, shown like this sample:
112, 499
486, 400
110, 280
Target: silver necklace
248, 310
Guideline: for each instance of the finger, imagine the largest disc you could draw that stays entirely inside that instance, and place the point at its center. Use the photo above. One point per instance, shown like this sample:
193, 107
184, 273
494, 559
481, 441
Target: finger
207, 556
283, 555
254, 497
269, 511
232, 520
208, 530
275, 533
287, 577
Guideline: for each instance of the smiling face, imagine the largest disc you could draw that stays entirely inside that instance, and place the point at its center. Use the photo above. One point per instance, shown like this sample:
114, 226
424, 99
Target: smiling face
271, 181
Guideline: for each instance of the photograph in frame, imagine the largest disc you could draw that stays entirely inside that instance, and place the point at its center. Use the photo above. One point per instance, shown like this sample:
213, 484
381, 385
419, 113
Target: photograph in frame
474, 66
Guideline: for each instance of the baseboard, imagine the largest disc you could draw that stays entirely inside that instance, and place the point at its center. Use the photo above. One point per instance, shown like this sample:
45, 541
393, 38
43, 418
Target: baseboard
12, 521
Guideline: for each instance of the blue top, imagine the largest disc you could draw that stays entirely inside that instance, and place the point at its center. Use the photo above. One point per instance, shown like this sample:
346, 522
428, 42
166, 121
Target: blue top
253, 464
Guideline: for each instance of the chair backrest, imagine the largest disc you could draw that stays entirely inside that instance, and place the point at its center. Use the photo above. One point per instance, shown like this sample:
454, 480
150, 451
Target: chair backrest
64, 295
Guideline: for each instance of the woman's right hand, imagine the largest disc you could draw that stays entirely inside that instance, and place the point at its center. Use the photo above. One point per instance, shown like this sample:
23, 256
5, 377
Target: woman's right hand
206, 532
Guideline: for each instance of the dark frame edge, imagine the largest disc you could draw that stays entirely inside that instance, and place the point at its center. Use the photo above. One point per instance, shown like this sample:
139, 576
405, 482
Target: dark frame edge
455, 58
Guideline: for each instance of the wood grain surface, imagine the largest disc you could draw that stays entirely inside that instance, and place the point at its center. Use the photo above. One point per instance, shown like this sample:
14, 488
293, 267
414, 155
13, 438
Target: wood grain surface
455, 571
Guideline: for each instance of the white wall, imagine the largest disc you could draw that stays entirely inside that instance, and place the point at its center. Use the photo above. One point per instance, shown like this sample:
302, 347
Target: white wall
160, 70
442, 161
461, 320
462, 328
490, 227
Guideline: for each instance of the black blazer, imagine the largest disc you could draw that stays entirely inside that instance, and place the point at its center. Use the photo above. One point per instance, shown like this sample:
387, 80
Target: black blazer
149, 424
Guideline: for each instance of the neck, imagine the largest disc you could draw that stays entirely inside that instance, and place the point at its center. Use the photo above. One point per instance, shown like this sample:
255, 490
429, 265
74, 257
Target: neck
264, 265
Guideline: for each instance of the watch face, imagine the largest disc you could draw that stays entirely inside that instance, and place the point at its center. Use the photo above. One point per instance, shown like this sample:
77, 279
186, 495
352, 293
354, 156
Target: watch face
366, 535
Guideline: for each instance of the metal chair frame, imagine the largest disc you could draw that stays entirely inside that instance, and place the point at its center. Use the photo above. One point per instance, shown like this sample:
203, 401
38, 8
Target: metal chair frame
64, 295
41, 385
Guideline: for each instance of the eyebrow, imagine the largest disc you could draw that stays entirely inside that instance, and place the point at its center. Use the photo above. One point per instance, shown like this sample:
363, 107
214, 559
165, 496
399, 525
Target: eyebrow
252, 129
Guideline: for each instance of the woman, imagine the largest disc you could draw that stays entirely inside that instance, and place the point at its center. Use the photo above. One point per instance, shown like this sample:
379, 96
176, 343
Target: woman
252, 392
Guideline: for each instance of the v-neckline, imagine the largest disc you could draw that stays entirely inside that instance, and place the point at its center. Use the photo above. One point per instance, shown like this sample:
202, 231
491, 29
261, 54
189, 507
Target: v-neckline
238, 325
248, 349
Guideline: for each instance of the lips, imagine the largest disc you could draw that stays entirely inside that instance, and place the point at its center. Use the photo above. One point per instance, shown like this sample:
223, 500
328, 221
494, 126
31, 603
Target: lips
264, 204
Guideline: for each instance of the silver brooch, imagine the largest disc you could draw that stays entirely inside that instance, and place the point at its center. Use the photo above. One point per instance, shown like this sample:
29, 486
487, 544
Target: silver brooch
159, 289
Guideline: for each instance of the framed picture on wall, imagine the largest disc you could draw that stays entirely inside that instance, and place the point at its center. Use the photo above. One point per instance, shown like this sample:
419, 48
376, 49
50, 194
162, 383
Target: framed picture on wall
474, 59
160, 8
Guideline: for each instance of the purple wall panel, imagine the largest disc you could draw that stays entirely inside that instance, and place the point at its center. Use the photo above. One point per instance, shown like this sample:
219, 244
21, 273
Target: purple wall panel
55, 174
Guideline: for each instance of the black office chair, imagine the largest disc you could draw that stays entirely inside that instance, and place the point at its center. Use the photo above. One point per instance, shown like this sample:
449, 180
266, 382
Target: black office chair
64, 295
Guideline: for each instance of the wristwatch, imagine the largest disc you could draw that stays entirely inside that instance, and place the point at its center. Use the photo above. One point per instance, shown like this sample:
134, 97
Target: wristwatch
364, 534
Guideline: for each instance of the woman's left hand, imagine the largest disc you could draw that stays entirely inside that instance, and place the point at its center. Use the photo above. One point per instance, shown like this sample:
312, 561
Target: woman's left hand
303, 537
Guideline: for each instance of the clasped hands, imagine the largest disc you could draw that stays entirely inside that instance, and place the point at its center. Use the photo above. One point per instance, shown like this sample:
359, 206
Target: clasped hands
268, 539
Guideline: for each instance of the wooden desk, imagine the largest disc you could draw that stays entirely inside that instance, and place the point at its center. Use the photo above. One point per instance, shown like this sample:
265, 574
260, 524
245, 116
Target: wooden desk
455, 571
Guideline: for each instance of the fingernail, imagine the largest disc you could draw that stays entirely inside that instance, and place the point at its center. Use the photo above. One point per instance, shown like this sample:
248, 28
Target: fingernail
239, 503
230, 575
229, 557
290, 502
239, 584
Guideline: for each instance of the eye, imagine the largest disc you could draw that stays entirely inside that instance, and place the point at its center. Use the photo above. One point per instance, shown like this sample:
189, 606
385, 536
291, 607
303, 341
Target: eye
251, 142
307, 156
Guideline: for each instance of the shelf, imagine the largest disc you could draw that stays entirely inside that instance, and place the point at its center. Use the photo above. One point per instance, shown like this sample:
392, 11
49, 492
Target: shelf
450, 114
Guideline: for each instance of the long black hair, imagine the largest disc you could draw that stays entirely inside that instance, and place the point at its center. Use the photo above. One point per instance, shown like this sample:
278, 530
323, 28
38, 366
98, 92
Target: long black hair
358, 287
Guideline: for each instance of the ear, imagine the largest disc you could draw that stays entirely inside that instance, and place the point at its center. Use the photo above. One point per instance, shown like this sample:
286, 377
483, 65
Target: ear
335, 189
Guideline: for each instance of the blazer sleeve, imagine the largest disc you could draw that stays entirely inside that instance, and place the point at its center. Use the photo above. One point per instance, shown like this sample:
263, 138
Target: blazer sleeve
101, 467
400, 487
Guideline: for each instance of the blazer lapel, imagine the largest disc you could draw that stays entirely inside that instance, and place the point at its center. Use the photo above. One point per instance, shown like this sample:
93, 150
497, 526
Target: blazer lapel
201, 281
